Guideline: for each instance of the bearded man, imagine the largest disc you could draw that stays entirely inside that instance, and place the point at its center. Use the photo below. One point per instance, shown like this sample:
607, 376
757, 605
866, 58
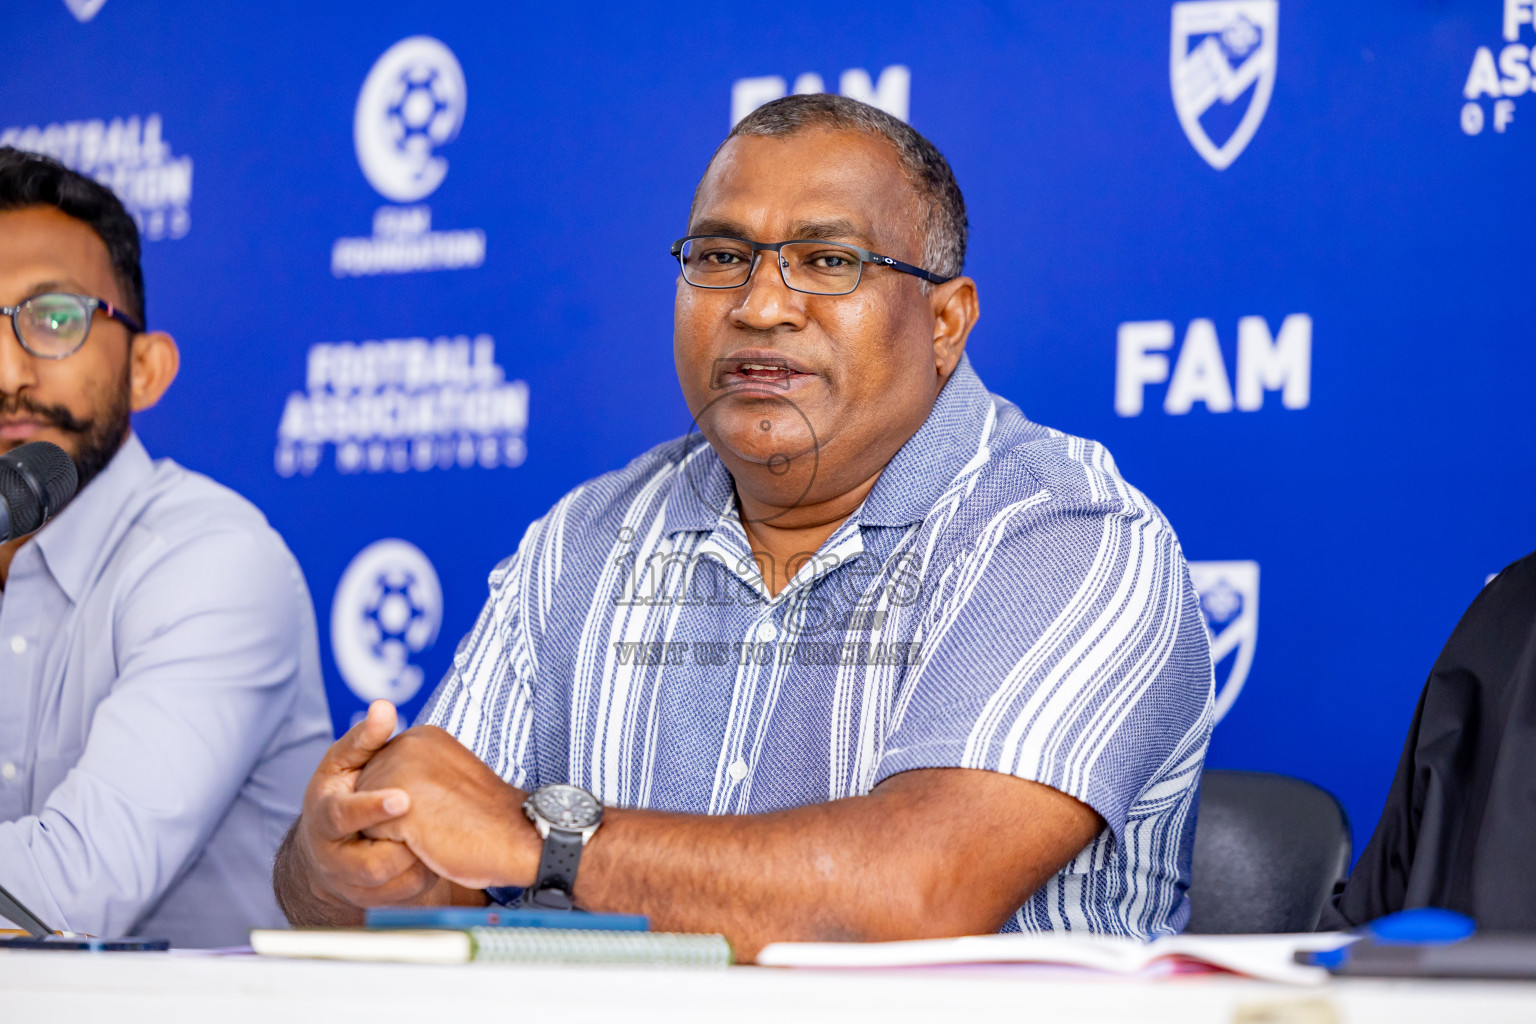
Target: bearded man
159, 672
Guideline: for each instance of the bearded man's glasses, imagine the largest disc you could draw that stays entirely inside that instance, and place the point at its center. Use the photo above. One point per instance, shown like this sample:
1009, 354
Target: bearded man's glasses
806, 265
55, 325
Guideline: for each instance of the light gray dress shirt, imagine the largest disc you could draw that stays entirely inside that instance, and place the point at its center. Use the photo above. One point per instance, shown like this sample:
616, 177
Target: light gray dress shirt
161, 709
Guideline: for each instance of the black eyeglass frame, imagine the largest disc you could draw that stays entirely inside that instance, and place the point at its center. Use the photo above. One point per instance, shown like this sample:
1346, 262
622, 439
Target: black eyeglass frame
91, 304
865, 256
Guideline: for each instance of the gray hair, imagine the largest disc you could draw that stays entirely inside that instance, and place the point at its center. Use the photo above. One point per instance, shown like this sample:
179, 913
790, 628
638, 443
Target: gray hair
924, 166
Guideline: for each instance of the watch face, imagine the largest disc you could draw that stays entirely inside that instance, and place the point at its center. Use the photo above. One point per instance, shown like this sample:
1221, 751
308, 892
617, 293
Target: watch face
567, 807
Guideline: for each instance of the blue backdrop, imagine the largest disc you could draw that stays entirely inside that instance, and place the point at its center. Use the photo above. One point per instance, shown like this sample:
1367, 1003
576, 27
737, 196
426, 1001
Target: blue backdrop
1273, 254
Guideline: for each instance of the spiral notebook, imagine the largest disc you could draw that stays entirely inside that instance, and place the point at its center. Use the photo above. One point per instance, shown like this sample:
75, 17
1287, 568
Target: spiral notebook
496, 945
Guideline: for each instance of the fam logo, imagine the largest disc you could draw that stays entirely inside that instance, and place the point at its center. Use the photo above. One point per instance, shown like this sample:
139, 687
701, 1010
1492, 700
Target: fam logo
388, 608
411, 106
128, 155
1265, 362
892, 92
1223, 50
1513, 75
1229, 601
404, 404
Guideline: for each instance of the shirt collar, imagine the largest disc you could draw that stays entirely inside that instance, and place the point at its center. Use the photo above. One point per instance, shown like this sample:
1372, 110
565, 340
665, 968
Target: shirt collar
703, 493
72, 542
924, 467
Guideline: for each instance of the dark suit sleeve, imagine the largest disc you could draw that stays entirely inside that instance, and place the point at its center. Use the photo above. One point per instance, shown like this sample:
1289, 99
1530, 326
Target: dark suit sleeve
1380, 878
1457, 831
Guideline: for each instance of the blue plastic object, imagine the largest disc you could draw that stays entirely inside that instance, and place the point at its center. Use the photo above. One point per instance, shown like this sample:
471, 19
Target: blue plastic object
1421, 926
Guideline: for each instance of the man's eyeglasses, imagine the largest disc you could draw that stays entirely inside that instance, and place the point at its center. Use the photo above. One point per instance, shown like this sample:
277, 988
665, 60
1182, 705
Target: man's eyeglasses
55, 325
806, 265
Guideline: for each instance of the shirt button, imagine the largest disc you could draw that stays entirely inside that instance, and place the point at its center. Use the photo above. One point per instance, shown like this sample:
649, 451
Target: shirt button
738, 770
766, 631
7, 771
19, 645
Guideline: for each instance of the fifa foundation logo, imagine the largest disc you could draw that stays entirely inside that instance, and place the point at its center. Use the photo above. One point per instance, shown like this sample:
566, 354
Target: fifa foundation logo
1229, 602
404, 405
891, 92
1223, 50
1279, 361
1492, 85
387, 609
128, 155
411, 106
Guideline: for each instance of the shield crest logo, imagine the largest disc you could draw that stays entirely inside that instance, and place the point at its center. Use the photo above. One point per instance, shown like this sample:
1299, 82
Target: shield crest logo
1229, 601
84, 10
1223, 50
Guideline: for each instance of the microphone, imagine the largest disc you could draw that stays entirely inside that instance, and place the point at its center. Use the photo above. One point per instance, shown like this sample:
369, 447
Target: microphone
36, 481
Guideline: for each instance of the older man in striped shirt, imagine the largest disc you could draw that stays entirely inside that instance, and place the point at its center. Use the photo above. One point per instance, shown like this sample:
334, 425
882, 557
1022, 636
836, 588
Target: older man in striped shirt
868, 655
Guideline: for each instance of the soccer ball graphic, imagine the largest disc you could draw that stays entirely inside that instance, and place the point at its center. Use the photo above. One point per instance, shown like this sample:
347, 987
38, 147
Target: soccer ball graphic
387, 609
1241, 38
411, 105
420, 118
395, 619
1221, 603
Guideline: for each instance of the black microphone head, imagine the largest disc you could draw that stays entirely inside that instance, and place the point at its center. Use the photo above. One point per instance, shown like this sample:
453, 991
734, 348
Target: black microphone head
37, 480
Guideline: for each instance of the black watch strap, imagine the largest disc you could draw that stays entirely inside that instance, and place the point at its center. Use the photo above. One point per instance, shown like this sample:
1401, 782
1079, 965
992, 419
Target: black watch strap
556, 879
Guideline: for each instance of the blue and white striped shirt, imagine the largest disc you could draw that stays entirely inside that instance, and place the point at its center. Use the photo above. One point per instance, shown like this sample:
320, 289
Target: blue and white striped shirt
1002, 600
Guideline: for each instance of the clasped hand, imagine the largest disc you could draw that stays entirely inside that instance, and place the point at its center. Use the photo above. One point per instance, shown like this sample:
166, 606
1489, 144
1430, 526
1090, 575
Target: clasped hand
387, 821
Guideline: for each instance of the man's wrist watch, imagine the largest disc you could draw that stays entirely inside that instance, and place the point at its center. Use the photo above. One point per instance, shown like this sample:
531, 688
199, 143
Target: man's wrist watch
566, 817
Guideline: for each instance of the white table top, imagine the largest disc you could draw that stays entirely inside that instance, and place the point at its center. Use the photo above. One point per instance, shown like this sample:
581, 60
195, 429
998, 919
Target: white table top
164, 989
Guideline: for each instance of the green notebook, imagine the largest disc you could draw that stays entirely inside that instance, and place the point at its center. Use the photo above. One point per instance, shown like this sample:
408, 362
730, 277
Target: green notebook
573, 946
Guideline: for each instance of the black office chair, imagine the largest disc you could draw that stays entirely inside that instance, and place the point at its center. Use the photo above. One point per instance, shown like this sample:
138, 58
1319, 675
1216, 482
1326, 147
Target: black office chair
1268, 851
